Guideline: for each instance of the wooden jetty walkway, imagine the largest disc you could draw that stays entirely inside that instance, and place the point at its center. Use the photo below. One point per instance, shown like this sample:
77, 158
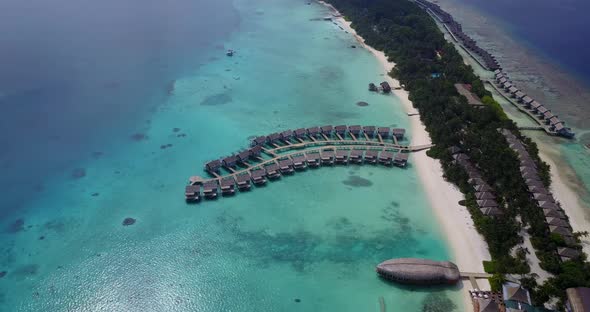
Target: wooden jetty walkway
473, 276
282, 153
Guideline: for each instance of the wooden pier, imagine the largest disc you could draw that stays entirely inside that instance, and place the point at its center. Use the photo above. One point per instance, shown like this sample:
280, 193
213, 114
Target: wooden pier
276, 155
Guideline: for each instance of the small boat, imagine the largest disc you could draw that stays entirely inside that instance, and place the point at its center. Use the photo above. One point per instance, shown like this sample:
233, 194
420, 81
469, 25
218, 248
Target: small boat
230, 52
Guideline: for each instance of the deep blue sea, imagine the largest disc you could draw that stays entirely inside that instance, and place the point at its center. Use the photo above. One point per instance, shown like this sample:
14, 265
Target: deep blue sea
77, 76
555, 29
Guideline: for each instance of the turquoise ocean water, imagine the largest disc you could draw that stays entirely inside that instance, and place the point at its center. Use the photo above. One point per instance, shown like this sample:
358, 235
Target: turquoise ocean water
308, 242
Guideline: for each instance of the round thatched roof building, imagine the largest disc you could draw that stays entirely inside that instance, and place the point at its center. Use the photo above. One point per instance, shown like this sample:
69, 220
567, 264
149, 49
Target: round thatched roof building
419, 271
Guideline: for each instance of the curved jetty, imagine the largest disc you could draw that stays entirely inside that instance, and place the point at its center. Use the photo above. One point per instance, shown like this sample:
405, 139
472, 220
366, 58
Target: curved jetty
283, 153
419, 271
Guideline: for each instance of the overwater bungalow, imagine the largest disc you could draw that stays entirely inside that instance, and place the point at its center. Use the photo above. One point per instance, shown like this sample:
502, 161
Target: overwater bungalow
300, 133
341, 156
547, 116
272, 171
213, 166
356, 156
512, 90
497, 71
258, 176
398, 133
519, 95
355, 130
327, 130
228, 186
534, 106
566, 253
499, 76
486, 203
244, 156
192, 193
341, 130
557, 222
386, 158
243, 181
369, 131
554, 121
371, 156
230, 162
255, 151
502, 81
541, 110
210, 189
383, 132
274, 138
385, 87
286, 166
507, 85
563, 231
313, 132
401, 160
299, 162
286, 135
484, 195
261, 140
327, 157
313, 159
526, 100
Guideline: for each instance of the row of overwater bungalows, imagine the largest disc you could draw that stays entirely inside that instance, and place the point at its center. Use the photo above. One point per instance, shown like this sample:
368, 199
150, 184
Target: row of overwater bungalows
554, 216
484, 194
287, 165
456, 29
539, 111
328, 132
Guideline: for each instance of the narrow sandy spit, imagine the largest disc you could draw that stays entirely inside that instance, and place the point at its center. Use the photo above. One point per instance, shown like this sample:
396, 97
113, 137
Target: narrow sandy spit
468, 246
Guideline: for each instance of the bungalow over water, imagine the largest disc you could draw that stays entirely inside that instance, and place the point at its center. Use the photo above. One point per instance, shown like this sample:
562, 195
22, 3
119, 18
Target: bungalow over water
398, 133
243, 181
340, 130
354, 131
213, 166
301, 133
313, 132
386, 158
313, 159
210, 189
356, 156
383, 132
327, 130
244, 156
258, 176
192, 193
261, 140
230, 162
527, 100
228, 186
286, 166
341, 156
286, 136
369, 131
272, 171
327, 157
371, 156
299, 162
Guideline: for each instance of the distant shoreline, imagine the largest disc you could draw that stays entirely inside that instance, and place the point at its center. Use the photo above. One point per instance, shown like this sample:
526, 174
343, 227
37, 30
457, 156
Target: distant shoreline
467, 245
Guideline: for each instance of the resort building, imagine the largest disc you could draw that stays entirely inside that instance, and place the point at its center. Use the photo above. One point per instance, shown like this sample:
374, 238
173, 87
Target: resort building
578, 299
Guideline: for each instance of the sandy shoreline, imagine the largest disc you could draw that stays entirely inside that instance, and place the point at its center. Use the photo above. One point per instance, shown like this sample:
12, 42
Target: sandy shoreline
467, 245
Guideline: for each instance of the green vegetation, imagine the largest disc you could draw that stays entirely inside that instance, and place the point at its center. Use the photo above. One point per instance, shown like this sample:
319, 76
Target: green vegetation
413, 41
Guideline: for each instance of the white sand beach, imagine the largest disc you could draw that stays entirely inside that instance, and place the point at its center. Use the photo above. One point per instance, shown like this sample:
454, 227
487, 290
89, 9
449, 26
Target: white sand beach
468, 246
